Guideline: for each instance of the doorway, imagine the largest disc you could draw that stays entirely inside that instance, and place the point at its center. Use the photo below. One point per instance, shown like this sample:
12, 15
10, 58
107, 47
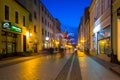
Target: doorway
24, 43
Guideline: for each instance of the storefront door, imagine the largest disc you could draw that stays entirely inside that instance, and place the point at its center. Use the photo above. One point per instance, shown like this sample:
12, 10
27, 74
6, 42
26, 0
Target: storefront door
104, 46
24, 43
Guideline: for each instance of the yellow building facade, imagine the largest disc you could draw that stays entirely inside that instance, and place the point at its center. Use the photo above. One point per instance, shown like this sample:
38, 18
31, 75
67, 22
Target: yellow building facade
116, 29
14, 24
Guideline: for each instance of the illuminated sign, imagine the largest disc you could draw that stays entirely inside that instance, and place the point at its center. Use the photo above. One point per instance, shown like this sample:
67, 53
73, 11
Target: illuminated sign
97, 28
7, 25
14, 28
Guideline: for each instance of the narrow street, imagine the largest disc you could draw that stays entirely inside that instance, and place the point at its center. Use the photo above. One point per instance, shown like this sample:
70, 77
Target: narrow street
57, 67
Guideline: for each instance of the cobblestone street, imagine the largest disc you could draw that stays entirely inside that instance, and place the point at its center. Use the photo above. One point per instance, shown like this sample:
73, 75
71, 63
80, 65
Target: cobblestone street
54, 67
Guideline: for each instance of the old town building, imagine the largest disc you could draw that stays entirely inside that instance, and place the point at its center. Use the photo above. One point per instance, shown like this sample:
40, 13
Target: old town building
83, 31
100, 24
116, 30
47, 25
35, 39
14, 21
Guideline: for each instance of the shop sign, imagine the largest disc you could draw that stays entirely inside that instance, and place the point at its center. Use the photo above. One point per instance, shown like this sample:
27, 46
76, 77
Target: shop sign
104, 33
118, 12
8, 25
16, 29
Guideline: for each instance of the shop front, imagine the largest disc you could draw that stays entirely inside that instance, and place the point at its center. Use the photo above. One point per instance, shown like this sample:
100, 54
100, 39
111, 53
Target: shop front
9, 36
104, 41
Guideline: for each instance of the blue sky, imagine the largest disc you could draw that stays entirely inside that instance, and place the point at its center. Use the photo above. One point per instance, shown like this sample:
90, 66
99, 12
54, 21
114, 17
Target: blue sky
68, 12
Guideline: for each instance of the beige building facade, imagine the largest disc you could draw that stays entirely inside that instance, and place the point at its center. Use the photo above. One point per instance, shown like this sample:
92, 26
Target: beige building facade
100, 25
47, 25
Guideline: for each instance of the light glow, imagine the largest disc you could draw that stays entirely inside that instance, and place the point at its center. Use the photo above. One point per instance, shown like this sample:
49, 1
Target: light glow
97, 28
47, 38
30, 34
27, 34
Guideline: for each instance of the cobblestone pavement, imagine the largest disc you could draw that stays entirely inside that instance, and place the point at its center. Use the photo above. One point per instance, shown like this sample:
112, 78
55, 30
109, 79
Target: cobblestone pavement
71, 70
64, 72
108, 65
42, 68
92, 70
76, 72
58, 67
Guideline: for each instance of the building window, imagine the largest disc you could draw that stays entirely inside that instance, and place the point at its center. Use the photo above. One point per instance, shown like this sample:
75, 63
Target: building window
45, 33
42, 20
35, 15
30, 17
48, 34
45, 22
42, 8
6, 12
101, 8
34, 28
45, 12
42, 31
35, 2
16, 17
23, 20
107, 4
48, 24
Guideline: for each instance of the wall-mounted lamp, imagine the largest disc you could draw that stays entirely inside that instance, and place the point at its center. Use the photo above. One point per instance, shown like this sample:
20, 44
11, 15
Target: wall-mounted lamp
28, 34
47, 38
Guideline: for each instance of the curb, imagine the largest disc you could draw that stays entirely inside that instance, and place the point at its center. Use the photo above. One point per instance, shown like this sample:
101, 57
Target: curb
115, 71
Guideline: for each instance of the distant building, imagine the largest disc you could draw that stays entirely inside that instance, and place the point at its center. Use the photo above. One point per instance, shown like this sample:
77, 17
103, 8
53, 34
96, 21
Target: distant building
87, 30
57, 34
81, 35
47, 25
84, 31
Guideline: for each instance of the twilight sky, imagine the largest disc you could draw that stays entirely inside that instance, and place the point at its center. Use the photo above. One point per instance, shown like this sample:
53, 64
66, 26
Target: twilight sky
68, 12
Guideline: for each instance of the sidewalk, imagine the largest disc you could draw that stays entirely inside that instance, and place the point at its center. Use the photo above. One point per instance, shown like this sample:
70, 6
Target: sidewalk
108, 65
17, 59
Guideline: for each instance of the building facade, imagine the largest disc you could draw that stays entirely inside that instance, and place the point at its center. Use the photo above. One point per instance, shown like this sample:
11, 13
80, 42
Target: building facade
81, 38
84, 32
47, 25
57, 34
35, 40
100, 24
87, 30
41, 26
14, 21
116, 30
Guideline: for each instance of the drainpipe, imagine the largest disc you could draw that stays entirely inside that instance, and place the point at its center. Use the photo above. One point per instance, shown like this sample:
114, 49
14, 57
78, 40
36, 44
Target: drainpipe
113, 57
111, 35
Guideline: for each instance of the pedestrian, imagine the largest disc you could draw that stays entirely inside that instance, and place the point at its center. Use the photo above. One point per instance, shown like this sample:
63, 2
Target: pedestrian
3, 51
